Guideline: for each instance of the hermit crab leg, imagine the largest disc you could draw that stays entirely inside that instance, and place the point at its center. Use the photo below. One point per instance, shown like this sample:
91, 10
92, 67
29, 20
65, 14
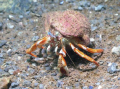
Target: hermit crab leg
38, 44
62, 66
82, 54
90, 49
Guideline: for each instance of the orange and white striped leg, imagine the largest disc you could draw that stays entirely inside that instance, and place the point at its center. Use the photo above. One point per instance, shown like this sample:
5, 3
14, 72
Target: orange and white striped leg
38, 44
82, 54
90, 49
62, 66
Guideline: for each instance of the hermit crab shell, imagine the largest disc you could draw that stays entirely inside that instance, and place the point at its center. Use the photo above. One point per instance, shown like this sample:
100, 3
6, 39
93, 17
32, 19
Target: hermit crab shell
69, 23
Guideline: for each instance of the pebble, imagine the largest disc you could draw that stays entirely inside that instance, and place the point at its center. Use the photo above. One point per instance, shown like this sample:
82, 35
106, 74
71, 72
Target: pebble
10, 25
112, 68
26, 83
100, 8
118, 38
61, 2
9, 51
31, 70
59, 83
11, 71
35, 38
14, 84
41, 86
84, 3
85, 87
116, 50
69, 87
2, 42
1, 61
80, 8
1, 26
54, 74
46, 65
93, 28
36, 84
90, 87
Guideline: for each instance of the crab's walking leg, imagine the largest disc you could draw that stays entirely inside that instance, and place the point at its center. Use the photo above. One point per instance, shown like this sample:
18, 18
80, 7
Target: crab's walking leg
62, 66
38, 44
90, 49
82, 54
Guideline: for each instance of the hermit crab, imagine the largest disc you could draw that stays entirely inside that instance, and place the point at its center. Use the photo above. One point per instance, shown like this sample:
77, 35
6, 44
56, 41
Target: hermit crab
66, 28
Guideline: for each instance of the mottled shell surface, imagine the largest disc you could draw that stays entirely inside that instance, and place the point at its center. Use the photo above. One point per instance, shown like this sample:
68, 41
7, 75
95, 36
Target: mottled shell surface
68, 23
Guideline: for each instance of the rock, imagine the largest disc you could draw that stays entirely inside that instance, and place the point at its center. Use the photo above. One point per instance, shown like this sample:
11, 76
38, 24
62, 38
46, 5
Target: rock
1, 55
9, 51
31, 70
59, 83
118, 38
41, 86
4, 82
80, 8
61, 2
46, 65
85, 87
35, 38
93, 28
36, 84
14, 84
27, 83
92, 39
112, 68
100, 8
1, 61
11, 71
1, 26
2, 42
10, 25
69, 87
116, 50
84, 3
90, 87
48, 68
53, 74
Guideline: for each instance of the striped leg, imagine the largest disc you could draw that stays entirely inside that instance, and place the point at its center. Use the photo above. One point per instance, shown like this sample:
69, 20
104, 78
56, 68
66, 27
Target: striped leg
38, 44
82, 54
90, 49
62, 66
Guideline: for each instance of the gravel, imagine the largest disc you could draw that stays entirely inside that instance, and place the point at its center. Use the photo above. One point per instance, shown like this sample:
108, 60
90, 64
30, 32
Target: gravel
22, 24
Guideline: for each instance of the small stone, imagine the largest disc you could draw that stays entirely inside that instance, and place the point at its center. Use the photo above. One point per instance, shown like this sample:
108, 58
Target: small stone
14, 84
69, 87
85, 87
1, 55
36, 84
2, 42
59, 83
31, 70
9, 52
41, 86
35, 38
53, 74
11, 71
90, 87
100, 8
48, 68
1, 61
27, 83
1, 26
46, 65
118, 38
112, 68
20, 16
93, 28
80, 8
116, 50
10, 25
92, 39
84, 3
61, 2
